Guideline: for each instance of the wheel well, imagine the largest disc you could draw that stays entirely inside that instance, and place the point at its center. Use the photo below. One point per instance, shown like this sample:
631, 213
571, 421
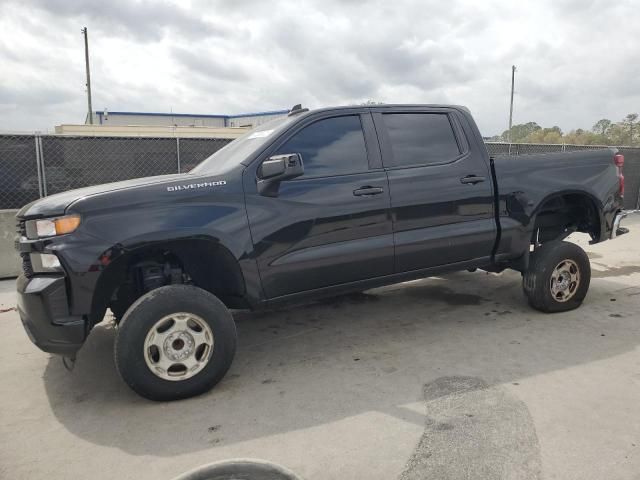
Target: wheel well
564, 214
203, 263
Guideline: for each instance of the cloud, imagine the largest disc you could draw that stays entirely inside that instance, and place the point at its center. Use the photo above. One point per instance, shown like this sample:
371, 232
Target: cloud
209, 64
34, 97
143, 20
577, 61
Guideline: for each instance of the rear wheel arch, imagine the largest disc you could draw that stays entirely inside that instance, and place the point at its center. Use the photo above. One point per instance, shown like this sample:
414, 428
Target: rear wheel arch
562, 213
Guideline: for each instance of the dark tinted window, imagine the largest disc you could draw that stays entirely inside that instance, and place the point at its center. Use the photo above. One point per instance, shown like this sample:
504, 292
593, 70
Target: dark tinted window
421, 138
233, 153
334, 146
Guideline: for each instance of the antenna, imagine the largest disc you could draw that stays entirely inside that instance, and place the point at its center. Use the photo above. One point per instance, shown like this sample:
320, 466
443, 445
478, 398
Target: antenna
297, 109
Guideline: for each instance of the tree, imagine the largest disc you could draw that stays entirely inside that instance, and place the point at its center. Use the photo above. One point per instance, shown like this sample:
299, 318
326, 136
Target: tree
602, 126
583, 137
603, 132
629, 122
520, 132
545, 135
616, 135
552, 136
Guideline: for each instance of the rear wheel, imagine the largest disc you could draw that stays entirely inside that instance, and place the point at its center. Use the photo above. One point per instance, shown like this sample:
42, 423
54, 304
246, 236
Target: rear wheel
558, 277
175, 342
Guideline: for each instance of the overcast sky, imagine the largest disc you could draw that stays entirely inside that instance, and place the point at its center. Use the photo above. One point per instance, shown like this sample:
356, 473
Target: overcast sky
578, 60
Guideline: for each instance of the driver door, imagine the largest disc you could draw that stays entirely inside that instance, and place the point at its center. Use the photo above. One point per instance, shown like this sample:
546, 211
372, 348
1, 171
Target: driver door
332, 224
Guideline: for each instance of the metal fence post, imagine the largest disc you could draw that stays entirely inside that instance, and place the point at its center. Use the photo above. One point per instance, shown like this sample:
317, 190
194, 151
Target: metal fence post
178, 152
36, 139
42, 166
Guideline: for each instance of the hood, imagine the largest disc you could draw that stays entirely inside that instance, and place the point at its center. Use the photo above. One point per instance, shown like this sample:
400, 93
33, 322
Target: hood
58, 203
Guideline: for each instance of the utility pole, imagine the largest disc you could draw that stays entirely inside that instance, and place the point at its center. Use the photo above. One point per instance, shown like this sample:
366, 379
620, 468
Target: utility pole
513, 78
86, 61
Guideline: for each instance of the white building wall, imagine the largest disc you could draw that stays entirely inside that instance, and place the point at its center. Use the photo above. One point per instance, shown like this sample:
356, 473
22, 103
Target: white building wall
252, 121
117, 119
160, 120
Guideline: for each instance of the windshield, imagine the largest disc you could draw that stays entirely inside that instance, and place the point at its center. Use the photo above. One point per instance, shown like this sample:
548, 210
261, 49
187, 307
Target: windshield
239, 149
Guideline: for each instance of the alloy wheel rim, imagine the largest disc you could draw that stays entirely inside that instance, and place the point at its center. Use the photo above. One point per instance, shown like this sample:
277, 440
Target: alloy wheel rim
564, 281
178, 346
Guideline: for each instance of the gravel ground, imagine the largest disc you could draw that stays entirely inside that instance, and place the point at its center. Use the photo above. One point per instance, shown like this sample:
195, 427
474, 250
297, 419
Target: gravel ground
450, 377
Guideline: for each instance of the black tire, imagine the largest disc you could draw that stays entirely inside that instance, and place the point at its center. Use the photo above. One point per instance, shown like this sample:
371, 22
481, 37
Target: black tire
240, 468
536, 281
141, 317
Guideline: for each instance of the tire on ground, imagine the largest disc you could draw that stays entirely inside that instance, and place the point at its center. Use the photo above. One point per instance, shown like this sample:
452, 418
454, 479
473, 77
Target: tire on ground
536, 281
129, 350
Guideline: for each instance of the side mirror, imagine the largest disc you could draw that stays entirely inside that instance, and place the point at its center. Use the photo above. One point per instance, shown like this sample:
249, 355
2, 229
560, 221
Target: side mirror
277, 168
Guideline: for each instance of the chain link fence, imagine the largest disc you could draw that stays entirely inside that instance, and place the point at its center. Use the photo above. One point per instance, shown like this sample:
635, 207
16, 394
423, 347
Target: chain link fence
527, 148
195, 150
77, 162
34, 166
631, 172
20, 181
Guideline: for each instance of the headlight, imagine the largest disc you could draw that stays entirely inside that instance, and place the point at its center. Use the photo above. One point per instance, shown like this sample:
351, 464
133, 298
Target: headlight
57, 226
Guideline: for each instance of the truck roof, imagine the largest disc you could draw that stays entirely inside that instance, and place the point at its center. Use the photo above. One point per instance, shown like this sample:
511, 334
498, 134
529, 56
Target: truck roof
383, 106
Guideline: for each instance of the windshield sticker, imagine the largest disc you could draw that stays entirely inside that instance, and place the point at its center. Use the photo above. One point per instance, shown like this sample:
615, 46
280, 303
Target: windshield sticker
191, 186
263, 133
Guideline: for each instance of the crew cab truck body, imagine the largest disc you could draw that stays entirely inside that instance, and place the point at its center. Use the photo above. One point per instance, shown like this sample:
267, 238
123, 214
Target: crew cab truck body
315, 204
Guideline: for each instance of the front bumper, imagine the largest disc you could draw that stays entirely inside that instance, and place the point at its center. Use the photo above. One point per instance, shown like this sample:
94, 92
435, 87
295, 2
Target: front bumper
44, 310
617, 230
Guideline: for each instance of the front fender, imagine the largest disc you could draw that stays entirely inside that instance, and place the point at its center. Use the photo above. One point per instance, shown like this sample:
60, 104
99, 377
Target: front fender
124, 221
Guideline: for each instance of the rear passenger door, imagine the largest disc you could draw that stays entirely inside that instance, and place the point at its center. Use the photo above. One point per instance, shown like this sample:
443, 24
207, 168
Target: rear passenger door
441, 189
332, 225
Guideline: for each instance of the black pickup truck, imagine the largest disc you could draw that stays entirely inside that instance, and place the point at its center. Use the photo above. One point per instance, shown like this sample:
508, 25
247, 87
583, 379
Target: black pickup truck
314, 204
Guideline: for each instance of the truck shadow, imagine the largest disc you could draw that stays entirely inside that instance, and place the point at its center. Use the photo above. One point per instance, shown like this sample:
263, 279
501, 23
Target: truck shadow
311, 365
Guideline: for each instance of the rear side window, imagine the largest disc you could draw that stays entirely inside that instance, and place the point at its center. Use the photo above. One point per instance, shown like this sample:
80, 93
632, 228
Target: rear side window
420, 138
334, 146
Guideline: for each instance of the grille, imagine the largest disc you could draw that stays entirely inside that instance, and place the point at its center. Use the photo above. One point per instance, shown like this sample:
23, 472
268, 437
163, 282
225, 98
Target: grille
27, 268
22, 228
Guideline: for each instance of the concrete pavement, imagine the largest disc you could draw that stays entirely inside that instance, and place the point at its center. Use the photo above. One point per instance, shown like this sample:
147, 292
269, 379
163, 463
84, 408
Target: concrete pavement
448, 377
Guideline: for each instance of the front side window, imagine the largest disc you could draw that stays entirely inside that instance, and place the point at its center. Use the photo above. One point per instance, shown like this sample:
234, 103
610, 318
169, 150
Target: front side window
241, 149
421, 138
334, 146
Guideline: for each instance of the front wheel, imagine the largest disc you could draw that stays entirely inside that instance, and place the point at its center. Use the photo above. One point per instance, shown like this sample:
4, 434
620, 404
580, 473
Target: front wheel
558, 277
175, 342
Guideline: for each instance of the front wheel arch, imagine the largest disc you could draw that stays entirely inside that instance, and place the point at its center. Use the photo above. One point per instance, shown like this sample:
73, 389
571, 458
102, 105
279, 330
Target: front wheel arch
208, 264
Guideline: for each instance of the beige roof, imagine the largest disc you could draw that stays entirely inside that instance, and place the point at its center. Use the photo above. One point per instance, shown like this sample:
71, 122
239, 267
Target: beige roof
149, 131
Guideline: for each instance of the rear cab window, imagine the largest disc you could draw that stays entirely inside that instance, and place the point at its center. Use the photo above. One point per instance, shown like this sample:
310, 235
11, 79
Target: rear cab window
419, 139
